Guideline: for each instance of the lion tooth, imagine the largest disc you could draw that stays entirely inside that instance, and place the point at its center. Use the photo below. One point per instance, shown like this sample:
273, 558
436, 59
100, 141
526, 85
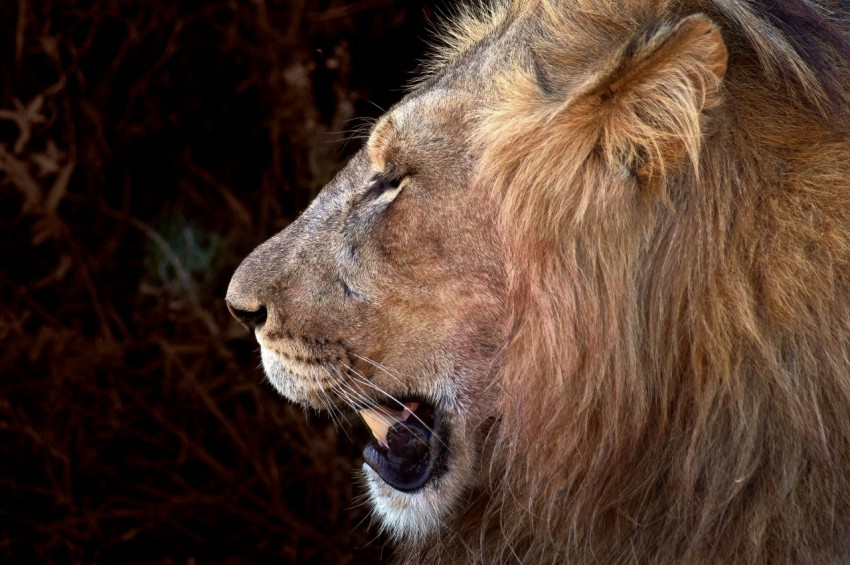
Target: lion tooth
380, 419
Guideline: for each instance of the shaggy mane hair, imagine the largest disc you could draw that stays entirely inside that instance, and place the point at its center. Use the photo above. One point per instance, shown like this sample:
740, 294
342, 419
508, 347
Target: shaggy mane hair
674, 179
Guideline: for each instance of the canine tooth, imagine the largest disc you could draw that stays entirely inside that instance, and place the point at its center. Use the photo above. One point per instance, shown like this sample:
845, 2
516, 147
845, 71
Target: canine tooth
380, 419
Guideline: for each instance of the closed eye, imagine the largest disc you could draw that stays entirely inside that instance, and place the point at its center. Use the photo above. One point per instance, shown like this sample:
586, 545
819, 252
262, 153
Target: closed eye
382, 184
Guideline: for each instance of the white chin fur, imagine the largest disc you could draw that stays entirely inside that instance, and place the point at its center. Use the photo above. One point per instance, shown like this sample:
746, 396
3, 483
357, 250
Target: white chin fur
282, 378
403, 515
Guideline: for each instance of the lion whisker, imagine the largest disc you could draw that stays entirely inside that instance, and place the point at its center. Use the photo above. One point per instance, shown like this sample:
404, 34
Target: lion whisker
379, 367
345, 392
335, 414
353, 396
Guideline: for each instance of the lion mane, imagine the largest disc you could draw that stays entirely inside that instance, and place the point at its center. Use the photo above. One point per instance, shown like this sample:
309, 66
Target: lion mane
676, 387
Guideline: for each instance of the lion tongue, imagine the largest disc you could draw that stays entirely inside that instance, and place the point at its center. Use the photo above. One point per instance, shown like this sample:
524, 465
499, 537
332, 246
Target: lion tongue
380, 419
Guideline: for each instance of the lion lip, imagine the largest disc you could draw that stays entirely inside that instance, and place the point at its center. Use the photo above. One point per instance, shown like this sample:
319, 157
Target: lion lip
409, 445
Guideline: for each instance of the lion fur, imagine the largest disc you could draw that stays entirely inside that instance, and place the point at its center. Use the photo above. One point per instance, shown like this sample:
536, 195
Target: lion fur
674, 186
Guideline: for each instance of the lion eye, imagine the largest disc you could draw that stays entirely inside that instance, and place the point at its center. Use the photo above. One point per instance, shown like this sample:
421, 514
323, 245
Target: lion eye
383, 184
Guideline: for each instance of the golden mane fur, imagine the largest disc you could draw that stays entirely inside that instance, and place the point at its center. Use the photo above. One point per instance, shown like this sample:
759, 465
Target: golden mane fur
674, 180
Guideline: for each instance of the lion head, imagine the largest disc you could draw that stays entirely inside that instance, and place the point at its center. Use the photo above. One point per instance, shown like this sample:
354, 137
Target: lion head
588, 284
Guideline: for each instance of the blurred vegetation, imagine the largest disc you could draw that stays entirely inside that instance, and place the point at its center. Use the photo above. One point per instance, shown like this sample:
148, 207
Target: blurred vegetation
145, 148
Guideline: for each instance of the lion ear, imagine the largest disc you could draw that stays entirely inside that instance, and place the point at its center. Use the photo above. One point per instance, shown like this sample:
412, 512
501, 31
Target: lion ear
650, 101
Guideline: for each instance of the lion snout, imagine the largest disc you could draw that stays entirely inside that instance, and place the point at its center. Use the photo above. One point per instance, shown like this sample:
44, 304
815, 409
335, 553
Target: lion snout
257, 287
285, 287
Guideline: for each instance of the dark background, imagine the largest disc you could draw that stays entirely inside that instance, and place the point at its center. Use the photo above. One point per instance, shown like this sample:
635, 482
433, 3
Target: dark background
145, 149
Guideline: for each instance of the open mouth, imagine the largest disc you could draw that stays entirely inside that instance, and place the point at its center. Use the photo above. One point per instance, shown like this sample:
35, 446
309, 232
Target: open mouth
409, 446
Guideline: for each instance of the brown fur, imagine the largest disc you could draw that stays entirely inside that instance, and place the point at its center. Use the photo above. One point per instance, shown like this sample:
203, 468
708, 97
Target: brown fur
633, 222
677, 388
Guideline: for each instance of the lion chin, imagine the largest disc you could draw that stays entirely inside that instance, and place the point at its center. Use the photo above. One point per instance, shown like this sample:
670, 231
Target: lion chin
405, 515
588, 286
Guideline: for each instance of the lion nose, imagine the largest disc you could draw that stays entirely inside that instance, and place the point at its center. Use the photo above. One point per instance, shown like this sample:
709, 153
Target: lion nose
251, 319
258, 295
247, 297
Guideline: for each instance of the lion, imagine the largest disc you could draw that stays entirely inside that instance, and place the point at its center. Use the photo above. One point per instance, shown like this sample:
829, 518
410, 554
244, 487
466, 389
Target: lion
588, 284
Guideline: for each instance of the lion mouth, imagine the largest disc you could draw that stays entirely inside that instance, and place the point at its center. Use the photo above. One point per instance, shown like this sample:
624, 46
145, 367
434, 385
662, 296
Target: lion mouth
409, 446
